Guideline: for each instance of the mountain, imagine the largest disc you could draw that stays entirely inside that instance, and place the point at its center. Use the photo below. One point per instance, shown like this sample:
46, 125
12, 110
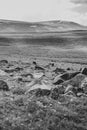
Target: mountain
9, 26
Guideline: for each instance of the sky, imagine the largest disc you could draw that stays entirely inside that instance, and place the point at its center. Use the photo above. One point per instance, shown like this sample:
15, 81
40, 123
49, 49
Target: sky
44, 10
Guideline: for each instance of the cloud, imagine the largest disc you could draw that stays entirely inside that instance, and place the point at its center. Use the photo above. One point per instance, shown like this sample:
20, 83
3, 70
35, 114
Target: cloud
79, 1
80, 6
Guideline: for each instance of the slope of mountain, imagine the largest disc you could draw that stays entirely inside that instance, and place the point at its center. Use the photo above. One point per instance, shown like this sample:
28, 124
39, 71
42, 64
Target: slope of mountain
8, 26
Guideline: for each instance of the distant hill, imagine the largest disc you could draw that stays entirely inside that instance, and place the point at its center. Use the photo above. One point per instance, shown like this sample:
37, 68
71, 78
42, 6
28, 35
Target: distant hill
8, 26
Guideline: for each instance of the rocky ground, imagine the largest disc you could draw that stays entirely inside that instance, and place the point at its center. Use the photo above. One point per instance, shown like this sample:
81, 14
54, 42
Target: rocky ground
42, 97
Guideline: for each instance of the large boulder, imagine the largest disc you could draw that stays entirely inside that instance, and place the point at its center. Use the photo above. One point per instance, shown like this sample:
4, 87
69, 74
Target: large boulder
4, 86
67, 76
75, 82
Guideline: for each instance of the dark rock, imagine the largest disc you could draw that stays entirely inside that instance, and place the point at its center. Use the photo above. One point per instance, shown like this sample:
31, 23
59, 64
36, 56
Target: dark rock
84, 71
58, 81
39, 68
67, 76
68, 68
3, 86
52, 64
34, 62
75, 82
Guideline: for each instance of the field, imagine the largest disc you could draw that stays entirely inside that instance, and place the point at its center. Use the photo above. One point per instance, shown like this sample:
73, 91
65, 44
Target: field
43, 81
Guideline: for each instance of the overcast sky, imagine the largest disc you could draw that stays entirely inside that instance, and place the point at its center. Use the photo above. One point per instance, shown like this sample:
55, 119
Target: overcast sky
38, 10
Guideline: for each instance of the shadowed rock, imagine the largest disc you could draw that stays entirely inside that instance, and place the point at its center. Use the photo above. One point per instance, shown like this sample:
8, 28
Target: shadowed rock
64, 77
39, 68
57, 81
75, 82
3, 86
67, 76
84, 71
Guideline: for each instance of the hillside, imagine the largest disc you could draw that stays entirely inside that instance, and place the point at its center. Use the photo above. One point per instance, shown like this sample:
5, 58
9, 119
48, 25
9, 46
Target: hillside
8, 26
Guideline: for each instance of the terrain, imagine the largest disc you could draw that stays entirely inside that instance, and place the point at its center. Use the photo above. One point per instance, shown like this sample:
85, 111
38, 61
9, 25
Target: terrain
43, 75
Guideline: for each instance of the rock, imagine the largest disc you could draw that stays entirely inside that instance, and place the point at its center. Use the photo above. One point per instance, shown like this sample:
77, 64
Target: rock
71, 94
2, 73
39, 84
59, 70
27, 75
39, 68
57, 80
55, 92
17, 69
34, 62
38, 75
68, 68
67, 76
84, 85
77, 90
3, 62
75, 82
3, 86
84, 71
68, 88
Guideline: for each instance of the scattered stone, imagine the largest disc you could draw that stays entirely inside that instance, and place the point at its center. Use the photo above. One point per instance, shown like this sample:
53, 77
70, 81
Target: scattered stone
34, 62
68, 68
3, 86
